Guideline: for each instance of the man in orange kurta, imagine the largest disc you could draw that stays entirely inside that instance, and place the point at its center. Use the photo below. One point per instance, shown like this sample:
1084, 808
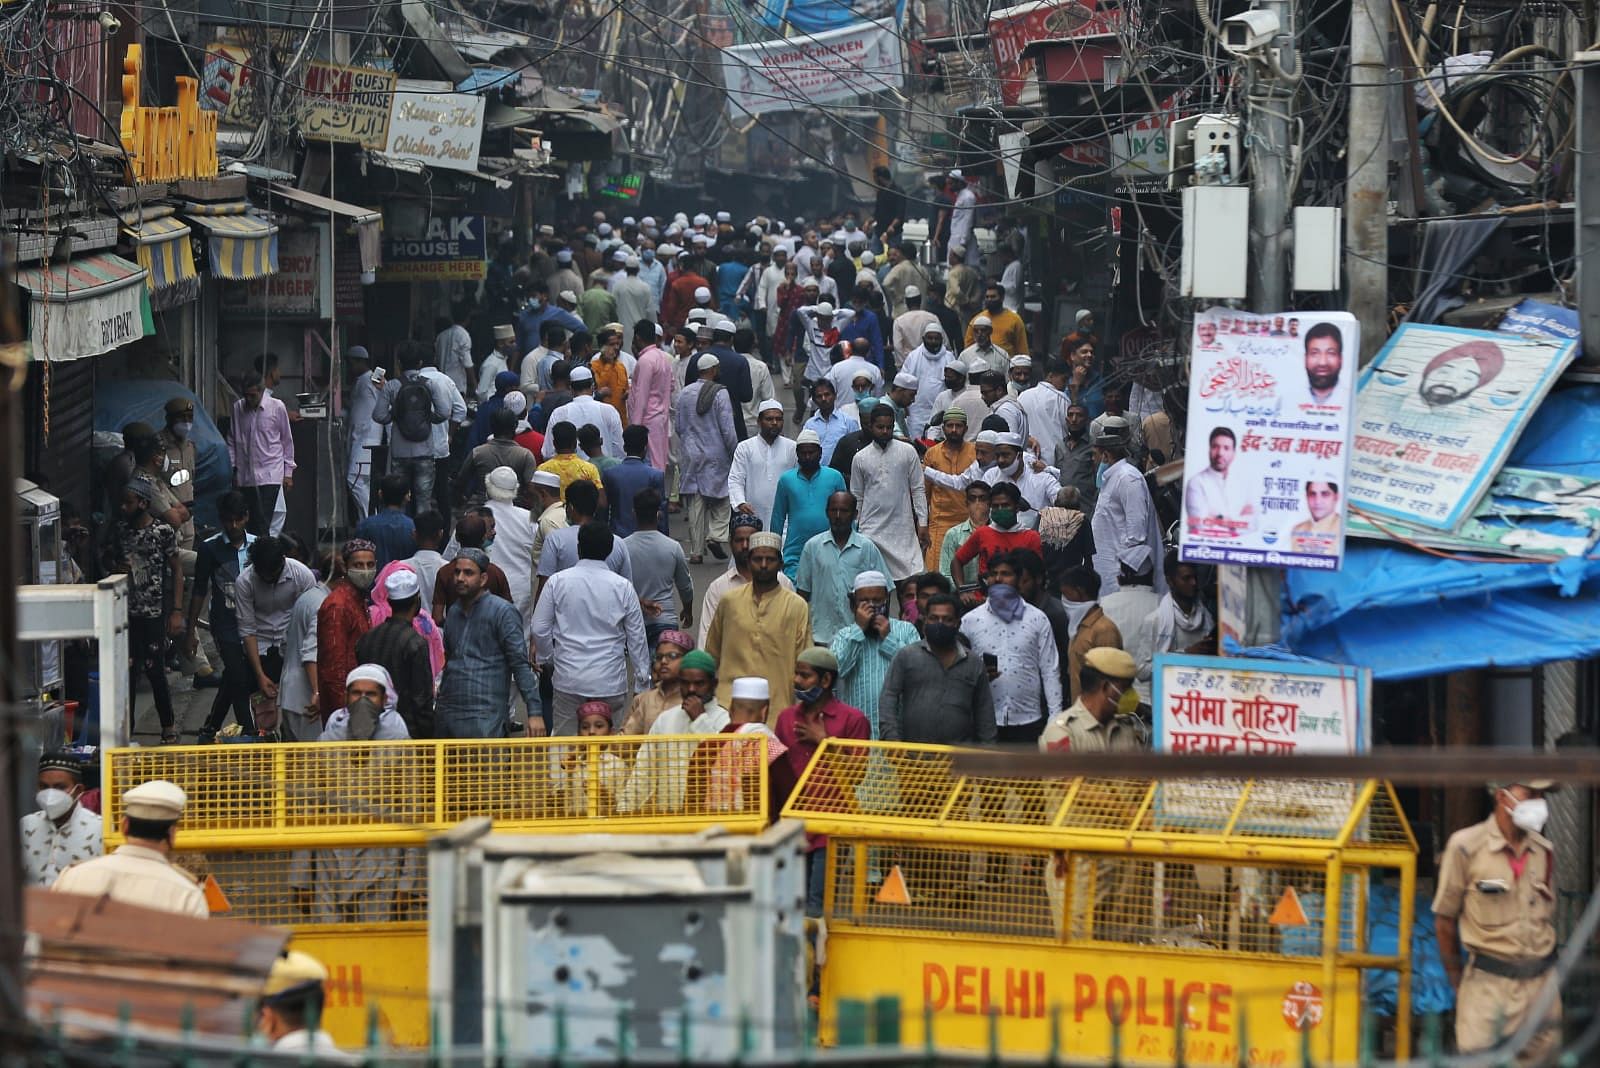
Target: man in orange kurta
947, 507
610, 373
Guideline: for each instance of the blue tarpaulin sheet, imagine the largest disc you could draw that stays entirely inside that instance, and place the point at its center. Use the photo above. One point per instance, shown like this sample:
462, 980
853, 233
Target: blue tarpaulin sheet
144, 401
815, 16
1404, 613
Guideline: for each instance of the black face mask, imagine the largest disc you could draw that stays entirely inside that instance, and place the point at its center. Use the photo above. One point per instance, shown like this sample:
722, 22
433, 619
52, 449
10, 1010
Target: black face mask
940, 635
364, 719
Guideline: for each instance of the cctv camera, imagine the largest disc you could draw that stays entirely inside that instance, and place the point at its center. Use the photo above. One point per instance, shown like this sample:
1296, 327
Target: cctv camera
1249, 31
109, 23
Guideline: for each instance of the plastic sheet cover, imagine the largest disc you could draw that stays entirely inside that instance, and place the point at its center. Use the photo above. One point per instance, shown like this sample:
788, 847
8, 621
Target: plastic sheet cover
1405, 613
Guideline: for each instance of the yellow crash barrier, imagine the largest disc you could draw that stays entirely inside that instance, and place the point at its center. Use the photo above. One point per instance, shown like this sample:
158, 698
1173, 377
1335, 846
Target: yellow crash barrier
1078, 916
328, 838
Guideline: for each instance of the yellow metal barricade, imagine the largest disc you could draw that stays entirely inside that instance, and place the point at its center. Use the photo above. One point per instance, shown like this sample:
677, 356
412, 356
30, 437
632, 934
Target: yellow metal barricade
1060, 912
328, 838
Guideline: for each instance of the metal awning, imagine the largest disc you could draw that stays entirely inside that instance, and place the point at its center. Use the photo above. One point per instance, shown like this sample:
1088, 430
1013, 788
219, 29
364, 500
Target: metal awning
85, 307
242, 245
367, 222
162, 248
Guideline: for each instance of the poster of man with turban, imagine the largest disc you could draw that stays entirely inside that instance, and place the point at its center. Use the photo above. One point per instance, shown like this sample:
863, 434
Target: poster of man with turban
1438, 411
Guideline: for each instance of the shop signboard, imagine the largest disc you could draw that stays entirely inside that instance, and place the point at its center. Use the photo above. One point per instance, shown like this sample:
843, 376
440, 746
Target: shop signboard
349, 104
438, 129
1439, 409
797, 73
1268, 438
1236, 706
1013, 29
450, 248
299, 289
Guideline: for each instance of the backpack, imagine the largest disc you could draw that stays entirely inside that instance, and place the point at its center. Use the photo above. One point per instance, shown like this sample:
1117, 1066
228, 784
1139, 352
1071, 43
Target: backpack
413, 410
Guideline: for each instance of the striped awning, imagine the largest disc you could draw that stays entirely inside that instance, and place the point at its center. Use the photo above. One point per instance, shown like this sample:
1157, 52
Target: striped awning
242, 245
85, 307
162, 248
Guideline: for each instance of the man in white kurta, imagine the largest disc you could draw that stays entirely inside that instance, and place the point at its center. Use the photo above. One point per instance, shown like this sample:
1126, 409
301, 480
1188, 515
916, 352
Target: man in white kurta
927, 361
514, 534
757, 463
1127, 532
886, 480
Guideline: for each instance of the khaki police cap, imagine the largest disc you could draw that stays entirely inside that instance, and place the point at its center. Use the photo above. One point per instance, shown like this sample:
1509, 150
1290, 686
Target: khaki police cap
157, 799
1114, 663
1542, 785
294, 972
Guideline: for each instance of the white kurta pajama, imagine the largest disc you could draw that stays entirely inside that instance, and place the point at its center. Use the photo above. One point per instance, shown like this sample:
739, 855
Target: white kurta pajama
753, 478
892, 503
1126, 529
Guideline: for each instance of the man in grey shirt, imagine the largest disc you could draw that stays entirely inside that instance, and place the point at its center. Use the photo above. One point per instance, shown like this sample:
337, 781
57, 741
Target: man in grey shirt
264, 598
560, 549
937, 690
659, 570
299, 720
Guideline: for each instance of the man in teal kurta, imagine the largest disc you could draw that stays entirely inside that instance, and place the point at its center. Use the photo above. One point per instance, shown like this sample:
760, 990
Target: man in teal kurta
800, 505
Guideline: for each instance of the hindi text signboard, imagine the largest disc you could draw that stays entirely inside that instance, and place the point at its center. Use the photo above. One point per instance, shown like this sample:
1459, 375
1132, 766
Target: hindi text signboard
1267, 440
1211, 705
1438, 411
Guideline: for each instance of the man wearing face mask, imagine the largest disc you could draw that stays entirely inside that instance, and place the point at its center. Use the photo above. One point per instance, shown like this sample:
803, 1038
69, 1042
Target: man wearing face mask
926, 364
264, 597
1497, 901
342, 621
140, 871
1014, 640
937, 690
62, 832
816, 716
1088, 626
1104, 718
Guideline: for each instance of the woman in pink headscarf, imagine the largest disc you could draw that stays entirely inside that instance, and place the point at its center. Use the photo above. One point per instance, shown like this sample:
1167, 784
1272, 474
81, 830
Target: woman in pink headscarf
423, 623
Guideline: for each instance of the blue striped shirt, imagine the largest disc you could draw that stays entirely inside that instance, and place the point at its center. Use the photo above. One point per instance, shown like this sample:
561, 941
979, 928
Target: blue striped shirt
864, 663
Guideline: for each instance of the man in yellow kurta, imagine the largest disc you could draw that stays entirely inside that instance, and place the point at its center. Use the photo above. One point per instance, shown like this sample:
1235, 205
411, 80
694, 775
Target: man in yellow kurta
947, 507
760, 628
610, 373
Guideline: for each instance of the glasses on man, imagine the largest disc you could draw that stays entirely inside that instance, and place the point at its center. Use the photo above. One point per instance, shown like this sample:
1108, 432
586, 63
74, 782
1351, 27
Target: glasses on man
671, 654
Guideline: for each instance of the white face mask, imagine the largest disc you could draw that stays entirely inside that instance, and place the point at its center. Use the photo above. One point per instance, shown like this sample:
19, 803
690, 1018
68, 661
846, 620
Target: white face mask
1076, 610
1530, 815
55, 803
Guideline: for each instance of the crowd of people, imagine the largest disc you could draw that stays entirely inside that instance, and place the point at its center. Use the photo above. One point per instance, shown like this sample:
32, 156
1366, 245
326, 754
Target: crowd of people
958, 544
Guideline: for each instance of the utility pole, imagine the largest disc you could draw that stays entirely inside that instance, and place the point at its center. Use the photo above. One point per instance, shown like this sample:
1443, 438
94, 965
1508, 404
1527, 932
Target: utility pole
1269, 136
1366, 212
13, 1011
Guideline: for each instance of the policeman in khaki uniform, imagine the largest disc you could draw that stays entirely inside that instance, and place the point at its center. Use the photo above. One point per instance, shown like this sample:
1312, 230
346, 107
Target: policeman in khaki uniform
1496, 907
141, 872
1102, 719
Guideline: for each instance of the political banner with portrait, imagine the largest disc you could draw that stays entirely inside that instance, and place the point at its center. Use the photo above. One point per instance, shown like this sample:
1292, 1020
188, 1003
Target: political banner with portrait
1440, 408
1270, 401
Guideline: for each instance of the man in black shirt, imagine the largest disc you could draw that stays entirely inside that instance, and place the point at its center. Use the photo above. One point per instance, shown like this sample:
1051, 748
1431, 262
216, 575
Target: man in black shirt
217, 564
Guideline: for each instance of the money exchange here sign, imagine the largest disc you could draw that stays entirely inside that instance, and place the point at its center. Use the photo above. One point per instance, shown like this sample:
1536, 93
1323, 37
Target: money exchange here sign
1268, 438
439, 129
451, 248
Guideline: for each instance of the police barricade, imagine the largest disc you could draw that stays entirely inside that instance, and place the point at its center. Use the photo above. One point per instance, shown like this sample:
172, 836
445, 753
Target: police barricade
327, 838
1089, 918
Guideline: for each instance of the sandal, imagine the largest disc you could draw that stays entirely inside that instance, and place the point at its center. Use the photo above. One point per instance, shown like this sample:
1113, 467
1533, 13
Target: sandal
697, 559
169, 737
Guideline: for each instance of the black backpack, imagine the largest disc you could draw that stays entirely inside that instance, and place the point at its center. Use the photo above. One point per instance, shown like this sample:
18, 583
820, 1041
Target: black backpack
413, 410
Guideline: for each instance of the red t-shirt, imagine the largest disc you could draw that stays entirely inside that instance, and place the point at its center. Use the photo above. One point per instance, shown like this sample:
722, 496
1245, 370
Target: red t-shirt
531, 440
987, 542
